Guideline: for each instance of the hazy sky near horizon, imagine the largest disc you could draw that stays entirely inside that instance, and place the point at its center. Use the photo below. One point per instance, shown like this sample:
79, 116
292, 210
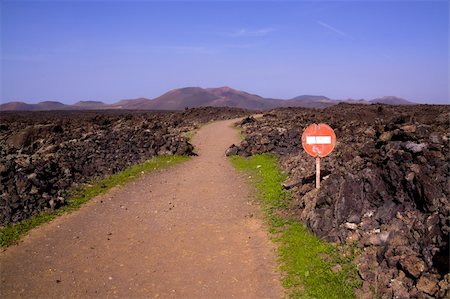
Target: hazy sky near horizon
111, 50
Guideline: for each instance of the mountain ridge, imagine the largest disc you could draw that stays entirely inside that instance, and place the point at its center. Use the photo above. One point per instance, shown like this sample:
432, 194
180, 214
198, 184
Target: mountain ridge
192, 97
391, 100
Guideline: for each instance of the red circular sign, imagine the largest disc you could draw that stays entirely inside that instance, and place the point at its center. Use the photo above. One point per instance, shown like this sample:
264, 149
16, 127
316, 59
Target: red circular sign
319, 140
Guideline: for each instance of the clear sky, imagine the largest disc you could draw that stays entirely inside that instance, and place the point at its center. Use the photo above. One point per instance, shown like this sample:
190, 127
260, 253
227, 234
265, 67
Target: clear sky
111, 50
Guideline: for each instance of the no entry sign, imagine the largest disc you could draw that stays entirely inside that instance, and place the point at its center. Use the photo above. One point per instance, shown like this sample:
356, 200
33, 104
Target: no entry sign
319, 140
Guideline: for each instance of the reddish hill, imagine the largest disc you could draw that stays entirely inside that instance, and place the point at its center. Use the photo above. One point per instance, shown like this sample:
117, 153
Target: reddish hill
13, 106
47, 105
391, 100
90, 105
227, 96
50, 105
192, 97
131, 104
309, 101
181, 98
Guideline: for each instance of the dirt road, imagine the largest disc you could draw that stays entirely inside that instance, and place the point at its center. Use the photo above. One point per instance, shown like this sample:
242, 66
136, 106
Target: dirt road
186, 232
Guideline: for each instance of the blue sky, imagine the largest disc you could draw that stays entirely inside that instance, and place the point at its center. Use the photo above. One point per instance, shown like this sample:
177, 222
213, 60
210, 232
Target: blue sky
112, 50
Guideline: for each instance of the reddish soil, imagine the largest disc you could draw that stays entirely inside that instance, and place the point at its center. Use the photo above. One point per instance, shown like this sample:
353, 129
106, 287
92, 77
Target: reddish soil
190, 231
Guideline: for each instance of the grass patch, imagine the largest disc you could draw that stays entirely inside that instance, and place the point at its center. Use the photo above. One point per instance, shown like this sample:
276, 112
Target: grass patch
10, 234
305, 260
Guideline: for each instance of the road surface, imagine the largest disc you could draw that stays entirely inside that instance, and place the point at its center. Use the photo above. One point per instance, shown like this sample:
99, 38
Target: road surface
190, 231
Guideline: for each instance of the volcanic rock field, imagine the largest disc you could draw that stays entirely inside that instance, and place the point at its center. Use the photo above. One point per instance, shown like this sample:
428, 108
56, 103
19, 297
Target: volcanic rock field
44, 154
385, 188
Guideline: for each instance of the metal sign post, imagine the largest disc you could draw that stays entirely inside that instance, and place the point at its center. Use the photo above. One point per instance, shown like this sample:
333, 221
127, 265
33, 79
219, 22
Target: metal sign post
318, 140
317, 172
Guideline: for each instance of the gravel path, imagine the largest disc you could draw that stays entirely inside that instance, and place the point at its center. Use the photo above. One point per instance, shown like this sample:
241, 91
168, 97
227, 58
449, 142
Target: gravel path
190, 231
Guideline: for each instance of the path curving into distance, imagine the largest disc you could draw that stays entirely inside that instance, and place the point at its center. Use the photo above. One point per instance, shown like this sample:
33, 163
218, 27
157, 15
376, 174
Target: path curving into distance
183, 232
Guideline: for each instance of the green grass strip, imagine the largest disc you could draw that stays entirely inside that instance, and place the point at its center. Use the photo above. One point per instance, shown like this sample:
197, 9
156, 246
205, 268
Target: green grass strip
10, 234
305, 260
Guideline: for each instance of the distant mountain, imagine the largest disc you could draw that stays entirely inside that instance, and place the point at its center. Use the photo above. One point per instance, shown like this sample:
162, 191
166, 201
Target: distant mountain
50, 105
309, 101
89, 105
310, 98
192, 97
14, 106
42, 106
181, 98
226, 96
131, 104
359, 101
391, 100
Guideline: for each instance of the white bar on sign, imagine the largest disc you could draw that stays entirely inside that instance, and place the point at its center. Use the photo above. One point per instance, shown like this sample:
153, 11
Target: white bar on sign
318, 139
310, 139
323, 139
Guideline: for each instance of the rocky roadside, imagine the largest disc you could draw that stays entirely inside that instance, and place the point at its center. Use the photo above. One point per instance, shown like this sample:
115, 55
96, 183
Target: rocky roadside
384, 189
43, 154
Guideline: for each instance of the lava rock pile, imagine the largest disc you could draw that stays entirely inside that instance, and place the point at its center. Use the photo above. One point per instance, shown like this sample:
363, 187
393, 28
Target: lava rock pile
43, 154
385, 188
